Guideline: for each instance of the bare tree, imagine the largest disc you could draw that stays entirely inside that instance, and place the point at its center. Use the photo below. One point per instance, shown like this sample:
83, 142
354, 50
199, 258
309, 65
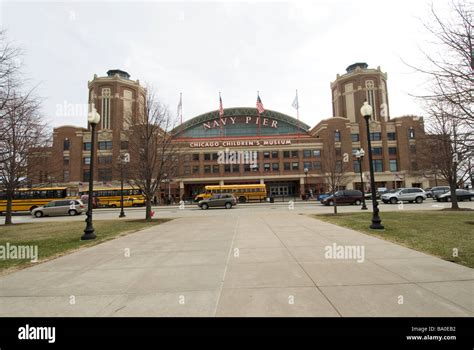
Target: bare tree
336, 168
451, 139
153, 152
24, 132
9, 80
450, 65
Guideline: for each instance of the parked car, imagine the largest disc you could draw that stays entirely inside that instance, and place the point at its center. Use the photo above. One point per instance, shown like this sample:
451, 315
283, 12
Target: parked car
380, 191
322, 196
461, 195
344, 197
60, 207
404, 195
439, 190
428, 192
218, 200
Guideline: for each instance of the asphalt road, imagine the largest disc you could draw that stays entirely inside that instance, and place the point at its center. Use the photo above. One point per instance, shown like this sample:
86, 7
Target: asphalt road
192, 210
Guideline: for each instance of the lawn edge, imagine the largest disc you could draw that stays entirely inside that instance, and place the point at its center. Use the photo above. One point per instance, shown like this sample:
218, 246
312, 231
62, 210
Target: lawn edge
91, 243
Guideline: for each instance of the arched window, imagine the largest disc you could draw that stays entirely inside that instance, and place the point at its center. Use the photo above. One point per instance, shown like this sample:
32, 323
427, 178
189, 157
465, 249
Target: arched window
105, 108
370, 87
66, 144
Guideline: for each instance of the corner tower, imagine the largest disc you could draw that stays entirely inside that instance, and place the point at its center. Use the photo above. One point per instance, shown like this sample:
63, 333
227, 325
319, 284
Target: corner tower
360, 83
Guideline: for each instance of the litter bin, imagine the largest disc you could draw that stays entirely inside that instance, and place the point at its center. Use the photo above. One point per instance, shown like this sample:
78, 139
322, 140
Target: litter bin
272, 199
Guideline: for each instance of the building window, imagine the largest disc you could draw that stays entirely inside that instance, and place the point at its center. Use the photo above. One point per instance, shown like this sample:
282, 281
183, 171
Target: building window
195, 169
294, 154
413, 149
378, 165
337, 136
104, 160
227, 168
123, 144
354, 151
236, 168
65, 161
187, 158
105, 174
86, 146
295, 166
207, 156
307, 165
411, 133
377, 151
375, 136
255, 167
355, 137
317, 166
86, 175
105, 117
286, 154
246, 167
87, 160
266, 155
338, 152
391, 136
356, 166
392, 151
275, 166
187, 170
207, 169
196, 157
316, 153
266, 167
215, 169
287, 166
66, 144
307, 153
66, 175
274, 154
393, 165
105, 145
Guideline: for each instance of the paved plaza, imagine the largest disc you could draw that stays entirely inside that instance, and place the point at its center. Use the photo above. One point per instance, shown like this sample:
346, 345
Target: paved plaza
240, 263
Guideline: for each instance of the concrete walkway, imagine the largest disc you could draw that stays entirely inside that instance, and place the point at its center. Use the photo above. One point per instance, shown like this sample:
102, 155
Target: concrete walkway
235, 265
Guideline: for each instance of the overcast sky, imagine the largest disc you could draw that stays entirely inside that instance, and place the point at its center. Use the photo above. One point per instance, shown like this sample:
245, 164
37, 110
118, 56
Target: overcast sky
201, 48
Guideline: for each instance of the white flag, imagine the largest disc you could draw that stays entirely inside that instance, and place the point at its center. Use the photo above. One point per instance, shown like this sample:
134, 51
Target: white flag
295, 103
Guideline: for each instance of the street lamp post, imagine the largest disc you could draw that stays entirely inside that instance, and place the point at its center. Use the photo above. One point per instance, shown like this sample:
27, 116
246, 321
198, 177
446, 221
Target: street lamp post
360, 156
123, 158
366, 111
306, 170
93, 119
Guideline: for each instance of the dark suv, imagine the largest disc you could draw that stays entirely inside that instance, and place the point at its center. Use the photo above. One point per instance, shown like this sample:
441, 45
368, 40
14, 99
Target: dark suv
344, 197
218, 200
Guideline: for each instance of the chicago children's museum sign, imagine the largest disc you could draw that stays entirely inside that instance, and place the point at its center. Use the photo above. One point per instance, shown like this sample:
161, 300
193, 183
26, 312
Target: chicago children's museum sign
238, 143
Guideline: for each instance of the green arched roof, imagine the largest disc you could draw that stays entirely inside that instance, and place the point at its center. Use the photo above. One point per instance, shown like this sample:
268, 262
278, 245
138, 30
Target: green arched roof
298, 126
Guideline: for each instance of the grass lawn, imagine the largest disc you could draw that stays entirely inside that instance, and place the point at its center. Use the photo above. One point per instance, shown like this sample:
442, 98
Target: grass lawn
59, 238
433, 232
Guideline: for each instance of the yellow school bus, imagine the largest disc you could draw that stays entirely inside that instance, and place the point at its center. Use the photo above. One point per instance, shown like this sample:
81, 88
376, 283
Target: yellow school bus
243, 193
110, 196
27, 199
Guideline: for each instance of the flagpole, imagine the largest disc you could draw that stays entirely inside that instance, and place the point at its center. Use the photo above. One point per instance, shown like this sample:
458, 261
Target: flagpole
220, 117
181, 110
258, 115
298, 112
